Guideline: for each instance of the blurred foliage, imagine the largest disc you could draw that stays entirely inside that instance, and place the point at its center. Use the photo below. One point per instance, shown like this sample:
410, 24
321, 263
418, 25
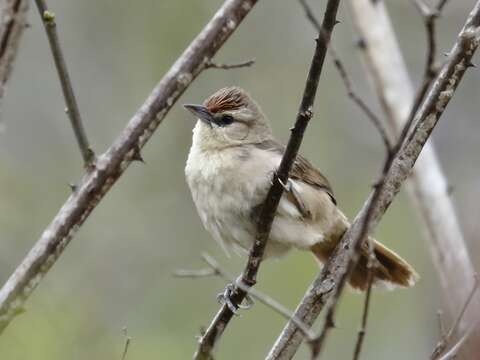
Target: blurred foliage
117, 270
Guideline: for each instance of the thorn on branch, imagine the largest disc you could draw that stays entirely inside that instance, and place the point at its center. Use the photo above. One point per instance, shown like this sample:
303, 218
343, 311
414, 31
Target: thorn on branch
137, 155
73, 187
361, 43
212, 65
471, 64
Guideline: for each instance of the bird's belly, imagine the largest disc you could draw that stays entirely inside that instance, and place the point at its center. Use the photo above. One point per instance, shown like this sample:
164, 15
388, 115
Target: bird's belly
225, 198
225, 212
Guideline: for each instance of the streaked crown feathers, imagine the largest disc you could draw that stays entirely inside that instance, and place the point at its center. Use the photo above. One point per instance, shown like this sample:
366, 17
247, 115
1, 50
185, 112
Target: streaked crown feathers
225, 99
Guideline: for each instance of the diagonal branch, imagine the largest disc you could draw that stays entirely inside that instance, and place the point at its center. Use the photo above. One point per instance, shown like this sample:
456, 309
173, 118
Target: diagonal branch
428, 186
328, 285
111, 165
13, 20
267, 213
48, 19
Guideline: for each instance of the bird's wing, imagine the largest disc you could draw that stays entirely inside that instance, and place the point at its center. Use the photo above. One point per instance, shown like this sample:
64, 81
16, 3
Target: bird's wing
308, 190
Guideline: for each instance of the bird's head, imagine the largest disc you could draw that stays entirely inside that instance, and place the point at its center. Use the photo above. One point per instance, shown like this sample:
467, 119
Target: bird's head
229, 117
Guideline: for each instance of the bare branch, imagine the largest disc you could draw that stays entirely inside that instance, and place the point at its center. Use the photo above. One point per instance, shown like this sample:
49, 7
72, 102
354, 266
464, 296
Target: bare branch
126, 346
48, 19
213, 65
268, 209
446, 338
428, 188
200, 273
372, 264
13, 20
348, 83
452, 353
111, 165
431, 69
441, 4
363, 330
331, 279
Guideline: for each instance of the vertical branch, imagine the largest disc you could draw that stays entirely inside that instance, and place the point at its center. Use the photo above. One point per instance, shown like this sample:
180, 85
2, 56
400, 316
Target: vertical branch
48, 19
269, 207
428, 187
13, 20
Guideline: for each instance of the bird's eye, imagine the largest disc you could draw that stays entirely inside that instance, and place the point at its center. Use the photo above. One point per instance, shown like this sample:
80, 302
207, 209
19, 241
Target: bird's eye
226, 119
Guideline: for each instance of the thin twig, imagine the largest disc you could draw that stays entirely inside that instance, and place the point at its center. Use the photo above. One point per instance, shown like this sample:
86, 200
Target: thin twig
111, 165
441, 4
268, 209
441, 326
446, 338
48, 19
371, 267
199, 273
431, 69
212, 65
329, 284
13, 20
363, 329
126, 346
453, 351
348, 83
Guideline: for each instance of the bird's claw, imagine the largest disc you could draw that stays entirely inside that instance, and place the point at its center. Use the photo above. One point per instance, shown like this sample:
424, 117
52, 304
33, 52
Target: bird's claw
287, 186
225, 298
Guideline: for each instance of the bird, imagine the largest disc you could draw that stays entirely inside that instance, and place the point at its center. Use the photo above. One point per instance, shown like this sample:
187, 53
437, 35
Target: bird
229, 170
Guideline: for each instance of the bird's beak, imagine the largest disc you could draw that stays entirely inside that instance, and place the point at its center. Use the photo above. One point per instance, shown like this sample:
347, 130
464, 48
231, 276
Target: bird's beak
200, 112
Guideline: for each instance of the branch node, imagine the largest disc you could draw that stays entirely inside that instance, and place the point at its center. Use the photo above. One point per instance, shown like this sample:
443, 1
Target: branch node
137, 155
209, 64
49, 17
73, 187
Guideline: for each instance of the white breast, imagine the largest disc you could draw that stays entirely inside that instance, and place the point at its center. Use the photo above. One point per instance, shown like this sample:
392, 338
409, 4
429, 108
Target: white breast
224, 185
227, 184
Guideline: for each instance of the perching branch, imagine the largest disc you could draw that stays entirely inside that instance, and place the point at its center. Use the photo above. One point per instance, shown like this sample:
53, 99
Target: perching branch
330, 281
268, 209
110, 166
427, 187
13, 20
48, 19
216, 270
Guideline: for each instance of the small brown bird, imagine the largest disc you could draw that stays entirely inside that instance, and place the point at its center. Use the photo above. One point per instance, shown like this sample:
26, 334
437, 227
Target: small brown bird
229, 169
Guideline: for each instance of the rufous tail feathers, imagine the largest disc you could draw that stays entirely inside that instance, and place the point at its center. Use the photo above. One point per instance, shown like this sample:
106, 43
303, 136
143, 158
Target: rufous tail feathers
391, 271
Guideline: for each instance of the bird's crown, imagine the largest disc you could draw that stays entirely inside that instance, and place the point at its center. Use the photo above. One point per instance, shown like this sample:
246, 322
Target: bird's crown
226, 99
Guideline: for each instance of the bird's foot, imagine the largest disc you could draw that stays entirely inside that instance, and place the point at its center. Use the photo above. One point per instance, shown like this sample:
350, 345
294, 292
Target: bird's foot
225, 298
287, 186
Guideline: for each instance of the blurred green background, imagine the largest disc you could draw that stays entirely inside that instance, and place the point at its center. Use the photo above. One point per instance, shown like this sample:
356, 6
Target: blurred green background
117, 270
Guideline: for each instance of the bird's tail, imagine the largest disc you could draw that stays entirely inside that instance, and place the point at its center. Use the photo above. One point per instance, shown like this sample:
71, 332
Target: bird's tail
391, 270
